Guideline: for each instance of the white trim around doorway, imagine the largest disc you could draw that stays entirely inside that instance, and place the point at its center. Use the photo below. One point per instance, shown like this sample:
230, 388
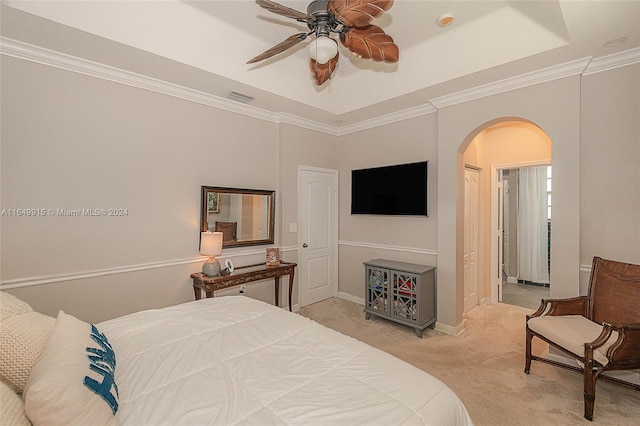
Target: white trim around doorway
494, 216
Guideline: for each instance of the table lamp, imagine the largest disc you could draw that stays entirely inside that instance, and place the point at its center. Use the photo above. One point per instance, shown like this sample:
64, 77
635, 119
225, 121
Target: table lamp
211, 245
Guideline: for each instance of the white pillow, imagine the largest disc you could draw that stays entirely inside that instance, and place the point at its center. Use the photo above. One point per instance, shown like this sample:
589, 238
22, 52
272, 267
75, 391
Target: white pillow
11, 305
23, 334
73, 382
11, 407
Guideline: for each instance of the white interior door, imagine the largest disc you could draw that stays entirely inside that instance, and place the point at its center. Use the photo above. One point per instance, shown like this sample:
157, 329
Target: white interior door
499, 200
318, 234
471, 233
506, 249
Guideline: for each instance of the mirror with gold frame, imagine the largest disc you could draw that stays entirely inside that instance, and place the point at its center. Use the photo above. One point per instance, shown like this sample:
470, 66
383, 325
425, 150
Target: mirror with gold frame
244, 216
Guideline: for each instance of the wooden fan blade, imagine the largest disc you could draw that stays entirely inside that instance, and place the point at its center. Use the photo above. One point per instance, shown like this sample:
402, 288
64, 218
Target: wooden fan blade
322, 72
358, 13
274, 7
370, 42
280, 47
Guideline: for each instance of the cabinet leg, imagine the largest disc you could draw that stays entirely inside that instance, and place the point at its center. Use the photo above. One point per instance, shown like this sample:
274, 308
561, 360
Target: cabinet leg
418, 333
367, 315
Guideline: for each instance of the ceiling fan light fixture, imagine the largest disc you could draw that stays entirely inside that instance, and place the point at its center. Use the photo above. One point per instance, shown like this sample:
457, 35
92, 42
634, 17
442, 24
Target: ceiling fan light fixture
351, 19
322, 49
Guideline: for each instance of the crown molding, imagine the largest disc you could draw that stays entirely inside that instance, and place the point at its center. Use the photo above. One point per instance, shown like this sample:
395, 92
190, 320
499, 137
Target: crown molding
294, 120
524, 80
615, 60
29, 52
584, 66
43, 56
382, 120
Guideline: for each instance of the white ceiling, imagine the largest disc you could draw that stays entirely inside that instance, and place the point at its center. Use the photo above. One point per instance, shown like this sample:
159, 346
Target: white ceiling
489, 41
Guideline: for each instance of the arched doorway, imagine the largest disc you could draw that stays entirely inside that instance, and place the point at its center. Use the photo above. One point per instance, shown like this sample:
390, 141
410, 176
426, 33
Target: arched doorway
552, 107
500, 144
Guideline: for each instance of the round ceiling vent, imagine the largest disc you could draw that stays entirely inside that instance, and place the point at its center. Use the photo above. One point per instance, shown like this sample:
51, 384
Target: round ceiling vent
445, 20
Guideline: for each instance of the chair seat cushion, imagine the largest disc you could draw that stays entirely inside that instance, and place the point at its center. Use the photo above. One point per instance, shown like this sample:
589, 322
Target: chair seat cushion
571, 332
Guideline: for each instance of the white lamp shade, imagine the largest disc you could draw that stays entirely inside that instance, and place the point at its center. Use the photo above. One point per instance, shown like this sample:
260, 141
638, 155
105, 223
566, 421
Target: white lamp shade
211, 243
322, 49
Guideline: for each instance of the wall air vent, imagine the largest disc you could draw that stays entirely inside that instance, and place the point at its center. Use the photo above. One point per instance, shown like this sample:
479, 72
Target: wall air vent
239, 97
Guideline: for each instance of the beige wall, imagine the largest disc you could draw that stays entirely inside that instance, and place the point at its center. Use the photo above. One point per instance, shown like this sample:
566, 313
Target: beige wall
75, 142
457, 126
363, 237
610, 167
508, 143
299, 147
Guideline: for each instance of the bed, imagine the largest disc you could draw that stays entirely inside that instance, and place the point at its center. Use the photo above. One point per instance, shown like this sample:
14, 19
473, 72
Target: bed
226, 361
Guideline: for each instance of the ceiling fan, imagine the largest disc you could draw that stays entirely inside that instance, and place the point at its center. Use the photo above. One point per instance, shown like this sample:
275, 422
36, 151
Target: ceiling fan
350, 19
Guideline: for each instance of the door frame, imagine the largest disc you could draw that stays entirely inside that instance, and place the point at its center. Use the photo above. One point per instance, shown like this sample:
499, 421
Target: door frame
495, 271
302, 266
476, 236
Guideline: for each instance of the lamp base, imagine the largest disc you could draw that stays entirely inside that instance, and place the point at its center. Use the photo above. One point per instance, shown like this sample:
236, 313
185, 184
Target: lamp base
211, 267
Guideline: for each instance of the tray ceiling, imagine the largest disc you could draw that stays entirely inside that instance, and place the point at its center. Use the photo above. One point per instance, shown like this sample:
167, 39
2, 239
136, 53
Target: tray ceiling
212, 40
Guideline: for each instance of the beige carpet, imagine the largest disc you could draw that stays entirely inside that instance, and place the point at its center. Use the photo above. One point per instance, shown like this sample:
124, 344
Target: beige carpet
484, 366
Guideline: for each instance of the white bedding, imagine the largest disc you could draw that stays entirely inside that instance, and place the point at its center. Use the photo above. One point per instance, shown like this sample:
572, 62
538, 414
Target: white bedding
236, 360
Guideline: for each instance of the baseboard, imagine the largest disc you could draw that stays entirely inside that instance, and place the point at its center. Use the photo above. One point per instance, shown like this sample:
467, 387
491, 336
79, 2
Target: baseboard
351, 298
447, 329
512, 280
444, 328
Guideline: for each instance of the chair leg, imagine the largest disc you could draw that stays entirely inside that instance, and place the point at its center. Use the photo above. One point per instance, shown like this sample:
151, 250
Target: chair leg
527, 351
589, 390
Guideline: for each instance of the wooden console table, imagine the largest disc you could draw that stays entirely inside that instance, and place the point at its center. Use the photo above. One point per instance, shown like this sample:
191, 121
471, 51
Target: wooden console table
242, 275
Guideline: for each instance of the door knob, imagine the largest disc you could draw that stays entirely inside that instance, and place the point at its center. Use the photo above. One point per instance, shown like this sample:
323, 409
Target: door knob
305, 245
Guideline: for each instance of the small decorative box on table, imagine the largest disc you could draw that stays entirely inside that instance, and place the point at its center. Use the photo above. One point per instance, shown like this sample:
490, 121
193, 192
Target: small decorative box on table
401, 292
242, 275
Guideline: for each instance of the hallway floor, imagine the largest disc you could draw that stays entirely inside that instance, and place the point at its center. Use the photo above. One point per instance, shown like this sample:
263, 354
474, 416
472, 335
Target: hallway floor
526, 296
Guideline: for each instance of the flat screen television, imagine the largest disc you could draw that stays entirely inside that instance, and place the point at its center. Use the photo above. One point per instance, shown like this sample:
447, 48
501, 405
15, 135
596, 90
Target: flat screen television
391, 190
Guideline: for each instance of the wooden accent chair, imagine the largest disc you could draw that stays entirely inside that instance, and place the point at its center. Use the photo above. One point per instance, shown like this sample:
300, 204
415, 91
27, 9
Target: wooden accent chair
600, 330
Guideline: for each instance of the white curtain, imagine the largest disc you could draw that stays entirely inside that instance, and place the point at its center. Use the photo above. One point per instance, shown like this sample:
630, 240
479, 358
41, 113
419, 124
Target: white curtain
533, 256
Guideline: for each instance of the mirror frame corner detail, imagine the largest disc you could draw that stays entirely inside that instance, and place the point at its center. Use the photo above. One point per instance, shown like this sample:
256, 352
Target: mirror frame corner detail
268, 210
